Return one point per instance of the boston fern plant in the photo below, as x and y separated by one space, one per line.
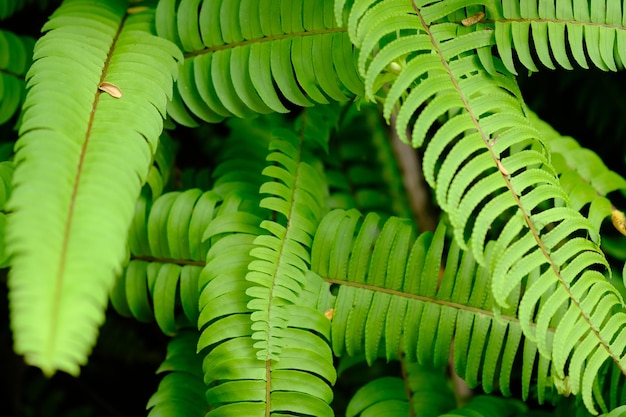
223 168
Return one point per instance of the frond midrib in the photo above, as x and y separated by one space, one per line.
66 239
430 300
264 39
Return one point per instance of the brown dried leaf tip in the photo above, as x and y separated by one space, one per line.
472 20
111 89
329 313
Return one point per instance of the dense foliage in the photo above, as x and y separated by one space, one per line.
233 179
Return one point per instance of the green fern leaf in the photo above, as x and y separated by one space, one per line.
587 31
168 251
396 296
240 382
182 389
295 192
255 57
492 174
15 61
88 178
231 298
430 395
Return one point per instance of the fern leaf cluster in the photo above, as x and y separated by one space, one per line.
488 163
256 57
255 257
559 31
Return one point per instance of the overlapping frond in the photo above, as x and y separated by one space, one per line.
295 194
15 59
555 33
240 383
168 252
266 346
181 391
395 296
251 57
430 395
97 93
492 174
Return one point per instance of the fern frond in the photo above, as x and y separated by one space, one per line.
181 391
296 191
234 293
430 395
584 30
256 58
240 383
15 60
492 174
86 154
394 296
167 256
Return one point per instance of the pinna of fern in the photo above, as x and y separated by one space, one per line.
87 138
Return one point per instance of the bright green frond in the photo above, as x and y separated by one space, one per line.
295 194
266 347
585 31
97 92
490 167
396 296
257 56
240 382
